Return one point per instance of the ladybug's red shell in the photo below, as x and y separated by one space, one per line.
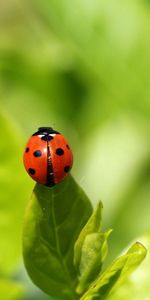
48 157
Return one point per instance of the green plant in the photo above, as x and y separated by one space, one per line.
64 247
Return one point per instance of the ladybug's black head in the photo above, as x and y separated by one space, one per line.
45 131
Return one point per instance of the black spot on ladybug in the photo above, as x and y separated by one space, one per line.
31 171
59 151
37 153
27 149
67 169
67 146
47 138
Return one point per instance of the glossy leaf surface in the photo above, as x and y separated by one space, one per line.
90 250
136 286
53 220
94 251
93 225
116 273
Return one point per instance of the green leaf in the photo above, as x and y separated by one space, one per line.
93 225
53 220
136 286
10 290
116 273
90 250
94 251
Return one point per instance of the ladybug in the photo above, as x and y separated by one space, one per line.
47 157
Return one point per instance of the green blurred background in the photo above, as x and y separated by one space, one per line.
82 67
